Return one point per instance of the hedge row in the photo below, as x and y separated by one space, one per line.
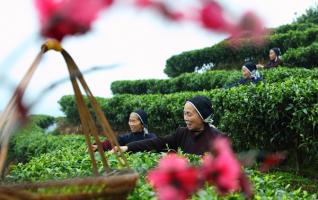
294 27
67 163
268 116
222 55
185 82
226 56
302 56
293 39
32 140
204 81
311 16
42 121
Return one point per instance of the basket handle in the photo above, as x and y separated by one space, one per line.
88 124
11 117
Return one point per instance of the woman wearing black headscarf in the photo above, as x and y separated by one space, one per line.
250 75
195 138
138 123
274 60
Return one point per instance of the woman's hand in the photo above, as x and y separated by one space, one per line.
116 149
94 147
260 66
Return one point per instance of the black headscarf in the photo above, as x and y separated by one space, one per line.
143 117
204 108
276 50
253 70
250 66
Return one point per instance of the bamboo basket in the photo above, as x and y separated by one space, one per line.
112 184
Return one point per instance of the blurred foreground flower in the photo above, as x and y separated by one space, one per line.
269 160
212 16
174 179
59 18
223 170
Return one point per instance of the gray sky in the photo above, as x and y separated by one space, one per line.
139 41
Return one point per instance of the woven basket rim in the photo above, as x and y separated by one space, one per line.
120 182
108 178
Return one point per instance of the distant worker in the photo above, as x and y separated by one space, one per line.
274 60
250 75
138 122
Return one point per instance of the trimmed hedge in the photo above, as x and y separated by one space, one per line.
223 55
67 163
220 56
311 16
294 27
226 56
32 140
205 81
268 116
42 121
294 39
185 82
302 56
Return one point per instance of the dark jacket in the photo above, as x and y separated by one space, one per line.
189 142
244 81
127 138
273 63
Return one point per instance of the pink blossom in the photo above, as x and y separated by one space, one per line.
246 186
251 22
143 3
212 17
174 178
224 170
162 8
270 160
173 162
59 18
250 27
167 12
170 193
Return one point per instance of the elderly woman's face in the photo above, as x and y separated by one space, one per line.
192 118
272 55
134 123
246 73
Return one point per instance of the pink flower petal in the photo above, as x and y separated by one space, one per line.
59 18
173 162
170 193
212 17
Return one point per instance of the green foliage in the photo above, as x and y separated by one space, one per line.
43 121
68 104
67 163
225 55
278 116
294 27
31 140
311 16
204 81
302 56
220 56
185 82
294 39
